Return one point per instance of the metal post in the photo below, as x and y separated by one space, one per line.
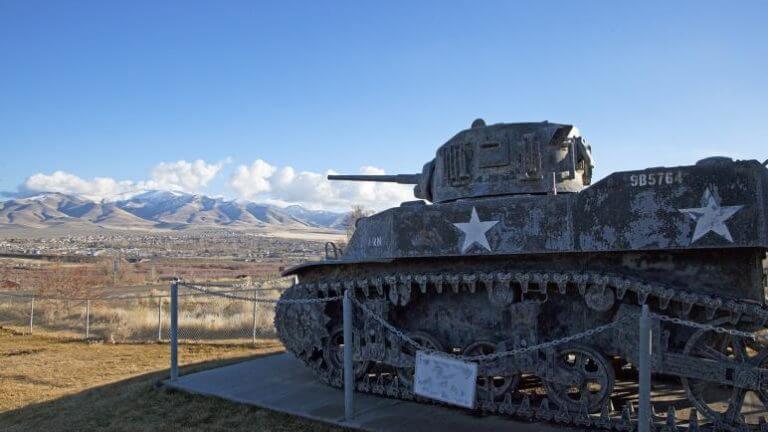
253 320
174 331
87 319
159 319
31 314
349 376
644 370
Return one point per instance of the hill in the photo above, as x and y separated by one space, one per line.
159 210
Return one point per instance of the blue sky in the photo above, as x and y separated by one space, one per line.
112 90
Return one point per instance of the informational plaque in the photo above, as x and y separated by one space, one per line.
445 379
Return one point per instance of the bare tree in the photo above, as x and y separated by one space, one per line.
357 213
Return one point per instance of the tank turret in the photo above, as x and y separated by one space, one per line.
501 159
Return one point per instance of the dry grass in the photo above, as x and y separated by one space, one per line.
201 317
57 384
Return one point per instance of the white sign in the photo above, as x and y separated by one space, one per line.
445 379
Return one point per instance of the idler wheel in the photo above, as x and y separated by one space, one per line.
334 354
726 404
424 339
491 387
582 376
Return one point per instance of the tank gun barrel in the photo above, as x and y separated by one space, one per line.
399 178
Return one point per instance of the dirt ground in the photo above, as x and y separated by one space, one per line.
57 384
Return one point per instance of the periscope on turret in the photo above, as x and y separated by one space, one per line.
510 244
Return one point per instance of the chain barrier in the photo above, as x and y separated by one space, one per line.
709 327
486 357
234 288
205 291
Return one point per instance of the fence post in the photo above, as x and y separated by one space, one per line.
174 330
160 319
31 314
87 319
349 375
253 320
644 371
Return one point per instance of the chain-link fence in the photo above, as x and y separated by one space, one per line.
204 317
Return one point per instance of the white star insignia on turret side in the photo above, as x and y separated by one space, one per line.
474 231
711 216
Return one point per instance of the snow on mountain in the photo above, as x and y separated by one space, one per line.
318 217
161 209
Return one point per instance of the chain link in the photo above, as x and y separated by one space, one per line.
709 327
486 357
261 300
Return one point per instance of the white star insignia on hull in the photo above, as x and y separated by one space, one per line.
711 217
475 232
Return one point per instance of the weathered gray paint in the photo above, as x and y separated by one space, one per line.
506 257
501 159
608 216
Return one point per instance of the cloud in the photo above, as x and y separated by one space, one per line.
67 183
183 175
263 182
259 181
180 175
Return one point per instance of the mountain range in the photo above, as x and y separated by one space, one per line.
159 209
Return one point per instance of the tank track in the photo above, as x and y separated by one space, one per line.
304 329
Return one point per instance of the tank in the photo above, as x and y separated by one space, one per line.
510 245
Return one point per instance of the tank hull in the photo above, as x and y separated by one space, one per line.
501 273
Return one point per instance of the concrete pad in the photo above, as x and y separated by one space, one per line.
282 383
